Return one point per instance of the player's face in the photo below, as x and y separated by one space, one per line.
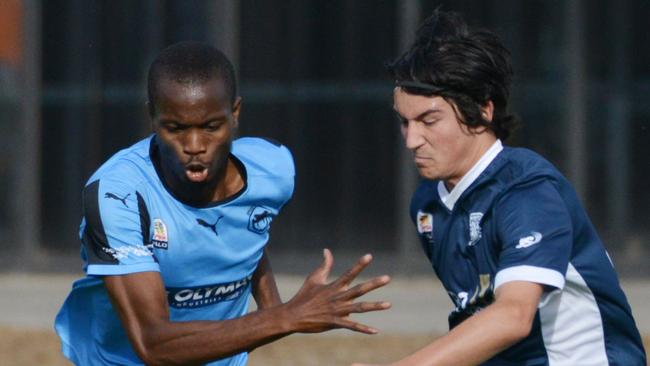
443 147
195 124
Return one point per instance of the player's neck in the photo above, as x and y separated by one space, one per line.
229 183
483 143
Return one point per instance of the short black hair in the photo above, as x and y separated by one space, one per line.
187 63
464 66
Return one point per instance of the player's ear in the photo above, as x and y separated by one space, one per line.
487 111
236 108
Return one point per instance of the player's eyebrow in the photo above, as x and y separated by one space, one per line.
218 119
168 122
434 110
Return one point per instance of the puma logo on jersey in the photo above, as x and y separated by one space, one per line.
116 197
530 240
212 227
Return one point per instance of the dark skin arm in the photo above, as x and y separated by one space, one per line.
141 303
264 288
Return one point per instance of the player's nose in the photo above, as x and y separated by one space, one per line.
411 134
193 144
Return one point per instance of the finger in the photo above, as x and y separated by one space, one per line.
357 327
323 271
365 307
363 288
354 271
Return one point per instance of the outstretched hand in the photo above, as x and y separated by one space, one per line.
319 306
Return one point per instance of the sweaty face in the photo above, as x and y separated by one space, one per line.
443 148
195 125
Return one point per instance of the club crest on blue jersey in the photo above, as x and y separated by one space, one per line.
259 219
425 224
475 233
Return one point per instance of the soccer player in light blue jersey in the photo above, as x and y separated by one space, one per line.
174 232
505 232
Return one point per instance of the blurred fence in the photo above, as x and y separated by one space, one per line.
311 75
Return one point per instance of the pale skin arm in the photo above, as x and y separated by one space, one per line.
508 320
140 300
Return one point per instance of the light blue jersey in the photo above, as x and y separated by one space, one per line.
513 217
206 256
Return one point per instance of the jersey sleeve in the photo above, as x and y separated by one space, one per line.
535 231
290 173
113 227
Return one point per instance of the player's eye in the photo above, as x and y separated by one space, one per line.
430 118
173 127
213 126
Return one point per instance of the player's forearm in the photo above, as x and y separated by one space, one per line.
197 342
475 340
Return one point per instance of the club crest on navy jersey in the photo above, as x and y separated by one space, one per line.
475 233
160 239
259 220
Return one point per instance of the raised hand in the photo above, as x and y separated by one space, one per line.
319 306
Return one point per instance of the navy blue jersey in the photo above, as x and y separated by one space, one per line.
206 256
514 217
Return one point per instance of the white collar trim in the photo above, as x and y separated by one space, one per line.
450 198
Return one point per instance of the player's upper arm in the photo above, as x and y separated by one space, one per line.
265 289
519 299
535 231
140 301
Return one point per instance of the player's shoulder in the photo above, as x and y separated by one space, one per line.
512 170
515 166
520 172
425 193
264 156
128 167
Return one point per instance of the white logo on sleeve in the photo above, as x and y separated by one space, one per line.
530 240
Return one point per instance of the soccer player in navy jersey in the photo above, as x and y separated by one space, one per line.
505 232
174 231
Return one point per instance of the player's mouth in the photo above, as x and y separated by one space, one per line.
196 172
420 159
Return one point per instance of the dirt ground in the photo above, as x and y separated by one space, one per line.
41 348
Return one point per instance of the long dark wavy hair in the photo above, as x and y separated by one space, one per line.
464 66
